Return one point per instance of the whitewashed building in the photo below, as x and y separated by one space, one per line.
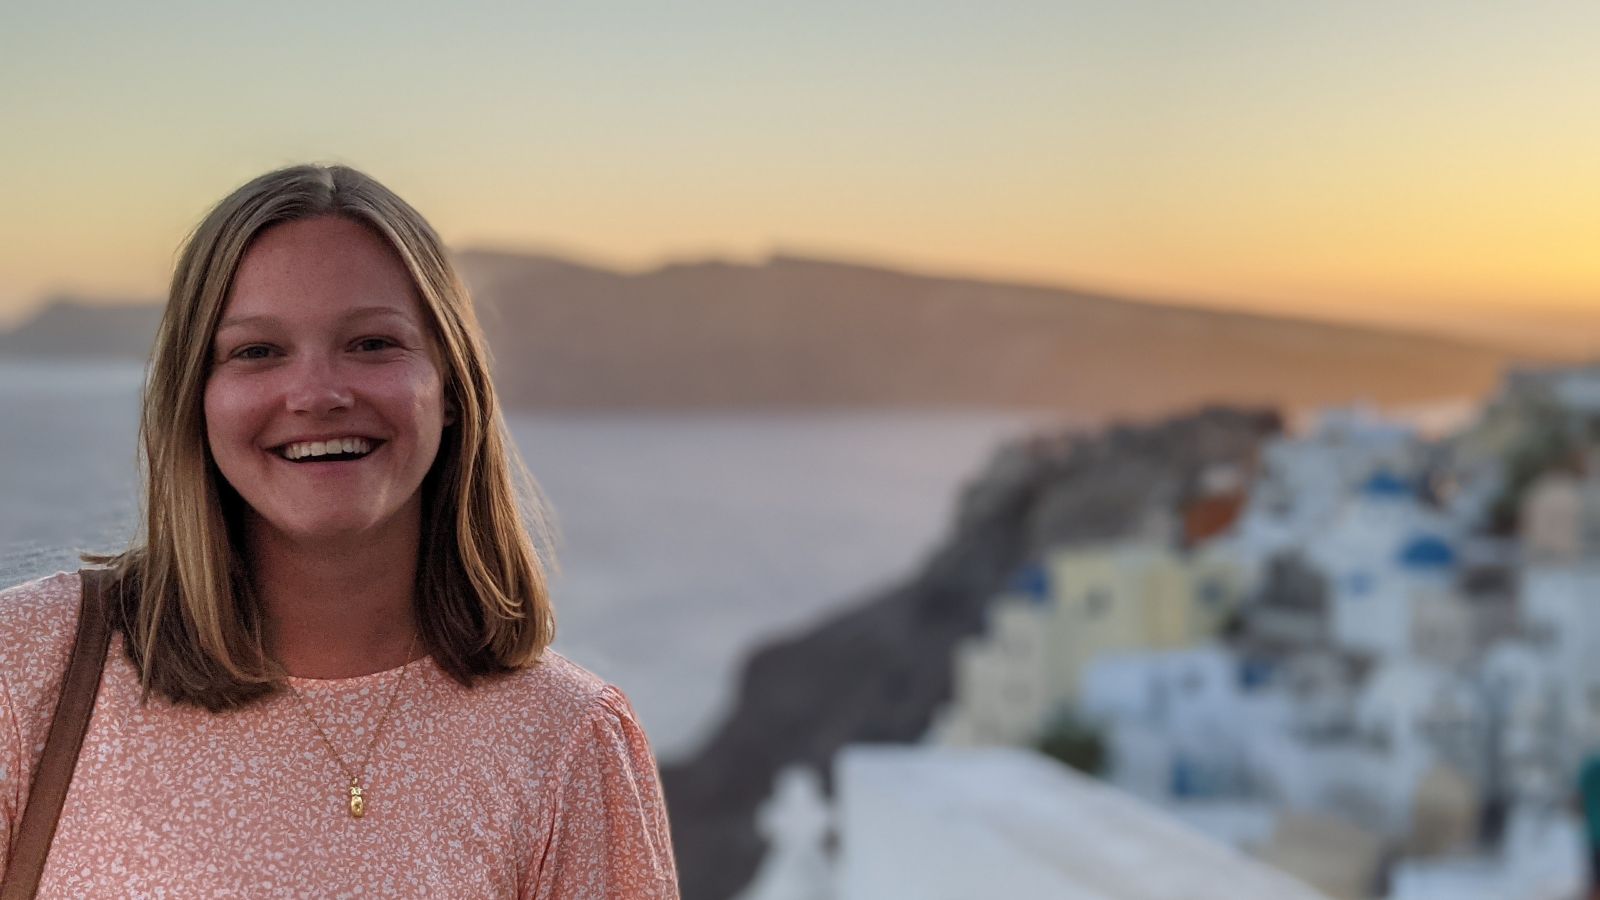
1303 483
1179 721
1543 857
1535 749
1554 518
1391 564
1561 617
1001 680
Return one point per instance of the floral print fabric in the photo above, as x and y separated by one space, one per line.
535 785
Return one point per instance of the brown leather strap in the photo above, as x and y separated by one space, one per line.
53 774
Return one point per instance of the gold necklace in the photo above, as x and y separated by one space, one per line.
358 797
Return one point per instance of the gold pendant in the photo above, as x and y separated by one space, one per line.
358 803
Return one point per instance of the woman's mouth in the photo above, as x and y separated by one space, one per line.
331 450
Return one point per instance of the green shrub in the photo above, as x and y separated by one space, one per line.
1074 742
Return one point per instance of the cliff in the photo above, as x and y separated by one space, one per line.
880 671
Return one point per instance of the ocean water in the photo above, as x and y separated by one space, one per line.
684 539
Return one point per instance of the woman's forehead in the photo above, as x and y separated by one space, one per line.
320 268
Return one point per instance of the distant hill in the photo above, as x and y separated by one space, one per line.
71 327
795 332
805 333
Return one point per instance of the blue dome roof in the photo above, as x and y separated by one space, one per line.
1387 484
1427 552
1031 581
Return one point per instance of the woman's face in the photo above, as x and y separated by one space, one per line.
324 407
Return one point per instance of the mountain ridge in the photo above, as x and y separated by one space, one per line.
792 331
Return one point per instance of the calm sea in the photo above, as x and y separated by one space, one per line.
684 538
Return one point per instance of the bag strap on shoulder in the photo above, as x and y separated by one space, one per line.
53 775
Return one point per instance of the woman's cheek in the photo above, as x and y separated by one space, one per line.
230 409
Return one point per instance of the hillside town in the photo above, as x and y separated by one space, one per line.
1357 666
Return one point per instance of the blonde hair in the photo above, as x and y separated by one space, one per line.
186 607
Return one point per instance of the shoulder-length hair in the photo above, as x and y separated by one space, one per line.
190 616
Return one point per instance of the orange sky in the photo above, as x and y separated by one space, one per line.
1432 166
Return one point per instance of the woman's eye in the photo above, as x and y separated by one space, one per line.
374 343
254 351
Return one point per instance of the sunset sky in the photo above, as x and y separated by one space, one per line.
1435 164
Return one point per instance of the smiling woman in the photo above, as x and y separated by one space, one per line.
328 670
323 342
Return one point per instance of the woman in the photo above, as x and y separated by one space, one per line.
329 673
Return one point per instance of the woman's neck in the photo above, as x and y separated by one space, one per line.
337 609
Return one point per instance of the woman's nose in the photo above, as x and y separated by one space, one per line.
318 388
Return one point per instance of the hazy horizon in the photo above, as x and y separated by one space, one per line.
1416 166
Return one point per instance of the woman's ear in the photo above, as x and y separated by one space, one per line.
450 413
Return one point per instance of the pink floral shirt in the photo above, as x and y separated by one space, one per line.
537 785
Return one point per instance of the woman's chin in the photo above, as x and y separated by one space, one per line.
327 531
320 527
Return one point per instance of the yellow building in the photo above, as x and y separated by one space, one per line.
1132 596
1093 601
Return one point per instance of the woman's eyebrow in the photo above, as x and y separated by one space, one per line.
360 312
241 321
367 312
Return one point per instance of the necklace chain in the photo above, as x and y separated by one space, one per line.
358 800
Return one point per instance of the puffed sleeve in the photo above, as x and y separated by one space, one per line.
609 836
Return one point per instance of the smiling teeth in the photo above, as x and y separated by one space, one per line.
304 449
